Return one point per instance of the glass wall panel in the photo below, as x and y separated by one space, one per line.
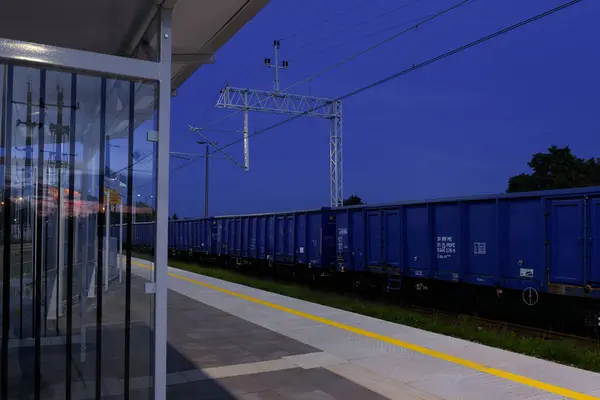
78 169
4 286
22 132
142 179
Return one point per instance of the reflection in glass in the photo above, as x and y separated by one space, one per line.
78 169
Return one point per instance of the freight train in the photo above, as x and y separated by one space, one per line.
518 252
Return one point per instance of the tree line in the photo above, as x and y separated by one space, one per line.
557 168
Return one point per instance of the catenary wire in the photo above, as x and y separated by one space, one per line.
418 66
380 43
362 22
308 79
418 21
328 19
404 72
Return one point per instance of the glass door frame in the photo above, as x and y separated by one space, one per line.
44 56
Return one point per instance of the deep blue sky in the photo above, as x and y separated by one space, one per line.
459 127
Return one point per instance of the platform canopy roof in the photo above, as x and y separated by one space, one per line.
128 27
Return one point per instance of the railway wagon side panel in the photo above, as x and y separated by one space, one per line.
186 235
211 235
418 241
284 238
150 234
142 234
251 235
300 253
179 232
356 239
289 238
447 222
232 233
206 242
593 266
231 237
522 233
270 237
374 239
177 228
200 236
221 234
245 239
279 237
343 241
193 234
392 238
566 237
171 235
261 237
383 238
226 237
237 238
314 228
328 224
482 265
197 236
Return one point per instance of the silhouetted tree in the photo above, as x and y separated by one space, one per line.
175 217
353 200
559 168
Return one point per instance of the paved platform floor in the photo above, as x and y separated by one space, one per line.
366 354
211 355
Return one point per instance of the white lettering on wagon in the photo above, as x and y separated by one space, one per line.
479 248
445 247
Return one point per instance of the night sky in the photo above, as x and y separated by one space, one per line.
459 127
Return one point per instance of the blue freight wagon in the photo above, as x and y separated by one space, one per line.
302 238
143 236
535 242
510 250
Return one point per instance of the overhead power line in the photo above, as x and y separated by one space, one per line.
380 43
415 21
419 66
355 55
328 19
361 22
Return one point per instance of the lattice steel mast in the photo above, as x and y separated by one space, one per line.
278 102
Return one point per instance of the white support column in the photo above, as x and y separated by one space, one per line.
246 144
162 207
107 241
84 270
58 289
336 160
121 242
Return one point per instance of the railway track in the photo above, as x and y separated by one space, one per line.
524 330
450 316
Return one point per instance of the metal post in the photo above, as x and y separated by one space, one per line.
84 269
246 148
206 183
276 55
61 254
121 242
106 240
162 208
336 157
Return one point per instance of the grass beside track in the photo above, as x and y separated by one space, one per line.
577 354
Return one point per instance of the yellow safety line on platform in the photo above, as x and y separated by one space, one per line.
570 394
